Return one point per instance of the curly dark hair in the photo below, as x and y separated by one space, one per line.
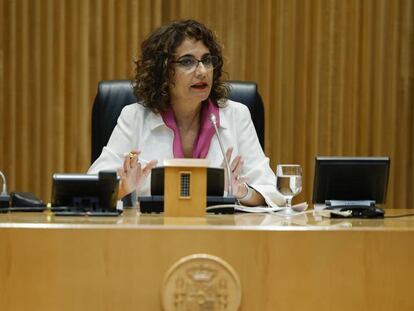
154 67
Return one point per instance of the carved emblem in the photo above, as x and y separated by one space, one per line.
201 282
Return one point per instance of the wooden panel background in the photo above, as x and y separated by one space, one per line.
337 77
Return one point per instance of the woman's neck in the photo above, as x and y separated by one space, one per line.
188 122
187 116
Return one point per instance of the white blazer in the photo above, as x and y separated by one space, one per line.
140 128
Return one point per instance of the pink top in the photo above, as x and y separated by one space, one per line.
205 133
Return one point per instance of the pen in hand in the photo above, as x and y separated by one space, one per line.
134 155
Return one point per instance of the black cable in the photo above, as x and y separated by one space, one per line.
399 216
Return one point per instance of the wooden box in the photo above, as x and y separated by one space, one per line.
185 187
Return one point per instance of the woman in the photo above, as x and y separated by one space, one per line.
178 78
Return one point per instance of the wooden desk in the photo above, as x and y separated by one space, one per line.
57 263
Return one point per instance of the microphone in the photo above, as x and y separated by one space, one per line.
4 191
4 197
213 121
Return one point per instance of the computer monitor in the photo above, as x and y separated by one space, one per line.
84 192
350 179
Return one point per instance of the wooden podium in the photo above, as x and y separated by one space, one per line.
185 187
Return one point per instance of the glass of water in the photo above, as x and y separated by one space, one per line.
289 183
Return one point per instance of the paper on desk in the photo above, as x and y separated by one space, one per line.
300 207
257 209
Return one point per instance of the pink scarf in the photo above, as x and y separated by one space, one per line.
205 133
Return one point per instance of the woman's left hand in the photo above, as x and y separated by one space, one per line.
237 181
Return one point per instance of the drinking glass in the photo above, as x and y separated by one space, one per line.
289 183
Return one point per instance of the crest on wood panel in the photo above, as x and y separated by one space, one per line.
201 282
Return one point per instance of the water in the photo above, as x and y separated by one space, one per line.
289 186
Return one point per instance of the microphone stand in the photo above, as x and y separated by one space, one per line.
213 121
4 197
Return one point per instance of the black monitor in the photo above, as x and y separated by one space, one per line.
350 179
84 192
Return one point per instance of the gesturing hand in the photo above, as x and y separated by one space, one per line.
132 173
237 181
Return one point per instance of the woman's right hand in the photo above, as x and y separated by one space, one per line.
132 173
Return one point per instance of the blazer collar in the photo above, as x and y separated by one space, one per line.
155 120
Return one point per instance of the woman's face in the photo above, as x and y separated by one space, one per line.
193 74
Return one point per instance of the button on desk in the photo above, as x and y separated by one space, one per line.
118 263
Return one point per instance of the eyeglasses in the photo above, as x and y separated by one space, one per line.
190 63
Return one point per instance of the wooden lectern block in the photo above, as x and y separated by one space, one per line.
185 187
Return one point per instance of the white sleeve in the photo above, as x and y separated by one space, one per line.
122 140
256 165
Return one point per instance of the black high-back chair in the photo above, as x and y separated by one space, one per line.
113 95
